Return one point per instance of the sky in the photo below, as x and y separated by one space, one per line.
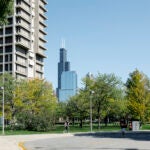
101 36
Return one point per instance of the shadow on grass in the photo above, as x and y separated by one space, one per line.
135 135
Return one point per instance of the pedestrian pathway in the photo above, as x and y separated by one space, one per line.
101 140
13 142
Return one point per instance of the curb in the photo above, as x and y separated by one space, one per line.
21 145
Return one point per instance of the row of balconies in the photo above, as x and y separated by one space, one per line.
24 15
24 6
42 4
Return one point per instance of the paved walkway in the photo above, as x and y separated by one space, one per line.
102 140
12 142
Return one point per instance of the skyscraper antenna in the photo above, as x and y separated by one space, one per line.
62 43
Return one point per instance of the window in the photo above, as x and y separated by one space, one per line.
21 50
10 21
39 58
1 31
10 57
6 67
1 49
1 40
1 68
8 30
8 39
1 58
6 58
8 49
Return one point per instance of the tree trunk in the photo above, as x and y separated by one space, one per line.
80 123
99 122
73 120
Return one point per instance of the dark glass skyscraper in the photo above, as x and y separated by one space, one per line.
63 65
67 80
68 85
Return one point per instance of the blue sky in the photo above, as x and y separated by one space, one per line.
105 36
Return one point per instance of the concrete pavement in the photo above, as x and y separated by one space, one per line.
101 140
15 142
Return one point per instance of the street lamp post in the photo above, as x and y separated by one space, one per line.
90 76
3 114
91 125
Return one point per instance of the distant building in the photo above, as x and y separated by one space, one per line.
67 80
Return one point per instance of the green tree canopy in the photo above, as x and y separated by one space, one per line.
107 88
36 104
138 95
78 106
9 83
6 7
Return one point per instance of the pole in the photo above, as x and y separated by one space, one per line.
3 111
3 119
91 112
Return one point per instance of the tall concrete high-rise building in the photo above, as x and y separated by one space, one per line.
22 40
67 80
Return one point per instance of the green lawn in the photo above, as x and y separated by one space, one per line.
146 127
60 129
72 129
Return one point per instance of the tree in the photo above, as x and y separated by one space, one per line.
9 83
107 87
6 8
138 95
61 111
36 104
104 91
77 107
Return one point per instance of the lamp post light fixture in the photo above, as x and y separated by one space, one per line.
3 115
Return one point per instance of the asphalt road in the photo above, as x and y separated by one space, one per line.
94 141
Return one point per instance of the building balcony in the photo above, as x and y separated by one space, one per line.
42 5
24 25
23 43
42 37
27 1
24 6
41 53
40 71
24 34
43 15
44 1
21 63
24 16
24 73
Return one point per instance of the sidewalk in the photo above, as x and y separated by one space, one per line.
139 138
12 142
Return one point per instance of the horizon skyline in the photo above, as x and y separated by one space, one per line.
100 36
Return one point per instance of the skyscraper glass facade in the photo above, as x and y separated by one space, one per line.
63 65
68 85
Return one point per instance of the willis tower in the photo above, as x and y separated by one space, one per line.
67 80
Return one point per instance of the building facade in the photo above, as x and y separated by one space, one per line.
67 80
68 85
22 40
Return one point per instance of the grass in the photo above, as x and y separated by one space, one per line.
72 129
60 129
146 127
